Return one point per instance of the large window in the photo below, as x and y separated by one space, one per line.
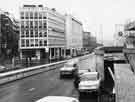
22 33
36 24
31 23
45 34
32 42
40 24
27 15
22 15
40 34
31 33
40 43
45 43
31 15
22 43
27 43
27 33
22 24
36 15
27 24
40 15
44 15
44 24
36 33
36 42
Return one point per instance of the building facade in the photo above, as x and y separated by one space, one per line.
86 40
74 35
9 34
42 32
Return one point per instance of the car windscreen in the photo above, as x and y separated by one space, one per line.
68 65
87 78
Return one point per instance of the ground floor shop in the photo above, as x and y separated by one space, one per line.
51 53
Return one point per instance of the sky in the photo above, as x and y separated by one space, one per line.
98 16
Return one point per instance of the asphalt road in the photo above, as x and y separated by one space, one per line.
44 84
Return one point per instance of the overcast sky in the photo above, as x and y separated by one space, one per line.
94 14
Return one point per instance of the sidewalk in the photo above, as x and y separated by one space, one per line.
125 83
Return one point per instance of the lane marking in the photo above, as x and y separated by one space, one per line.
32 89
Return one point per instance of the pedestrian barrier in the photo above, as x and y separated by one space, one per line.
22 73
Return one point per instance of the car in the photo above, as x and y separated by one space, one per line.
70 69
89 82
77 76
57 99
68 57
2 68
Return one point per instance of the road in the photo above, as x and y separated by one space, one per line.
38 86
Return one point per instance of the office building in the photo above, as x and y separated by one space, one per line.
74 35
42 32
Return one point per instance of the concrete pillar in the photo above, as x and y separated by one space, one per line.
54 53
58 53
50 53
64 54
38 54
99 63
21 56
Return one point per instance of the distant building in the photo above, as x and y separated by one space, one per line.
42 32
74 35
9 34
86 40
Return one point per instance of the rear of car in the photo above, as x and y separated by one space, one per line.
57 99
69 69
2 68
89 82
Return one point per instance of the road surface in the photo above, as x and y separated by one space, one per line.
38 86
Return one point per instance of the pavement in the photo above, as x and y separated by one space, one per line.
125 83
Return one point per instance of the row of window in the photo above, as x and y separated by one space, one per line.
33 27
33 34
33 42
33 15
33 23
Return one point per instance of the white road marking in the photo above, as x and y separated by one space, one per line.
32 89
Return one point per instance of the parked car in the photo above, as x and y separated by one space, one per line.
68 57
70 69
57 99
2 68
89 82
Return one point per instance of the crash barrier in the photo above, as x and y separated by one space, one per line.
22 73
85 57
25 72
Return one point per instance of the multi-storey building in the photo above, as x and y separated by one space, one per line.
74 35
42 32
86 40
9 34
